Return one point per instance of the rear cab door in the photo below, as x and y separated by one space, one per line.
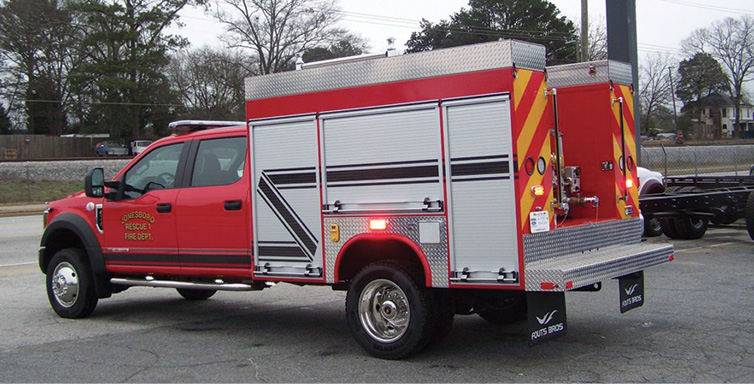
212 222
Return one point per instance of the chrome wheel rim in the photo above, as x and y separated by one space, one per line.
65 284
384 310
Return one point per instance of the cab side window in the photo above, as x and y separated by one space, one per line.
219 162
156 170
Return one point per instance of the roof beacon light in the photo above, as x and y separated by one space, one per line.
378 225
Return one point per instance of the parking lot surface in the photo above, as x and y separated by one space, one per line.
695 326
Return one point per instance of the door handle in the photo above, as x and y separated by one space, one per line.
164 208
233 205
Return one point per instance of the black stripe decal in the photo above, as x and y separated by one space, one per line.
293 178
175 259
382 164
282 259
474 169
299 187
216 259
383 173
142 257
290 169
285 251
384 183
482 179
288 217
491 157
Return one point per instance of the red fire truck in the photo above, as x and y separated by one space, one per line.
455 181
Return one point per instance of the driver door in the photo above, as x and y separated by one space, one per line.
139 227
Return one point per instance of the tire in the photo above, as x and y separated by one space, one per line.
389 312
669 229
70 284
502 309
652 227
196 294
749 215
690 228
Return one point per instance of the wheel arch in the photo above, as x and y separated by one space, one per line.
367 248
69 230
652 186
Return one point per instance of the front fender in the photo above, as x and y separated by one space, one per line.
79 227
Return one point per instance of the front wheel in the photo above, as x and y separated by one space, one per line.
388 311
70 284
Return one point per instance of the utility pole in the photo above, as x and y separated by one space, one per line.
672 94
584 30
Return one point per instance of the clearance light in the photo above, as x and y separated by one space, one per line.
538 190
378 225
629 183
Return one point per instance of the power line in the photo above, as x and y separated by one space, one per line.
710 7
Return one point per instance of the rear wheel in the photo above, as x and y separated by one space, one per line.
389 312
669 229
690 228
652 227
505 309
70 284
196 294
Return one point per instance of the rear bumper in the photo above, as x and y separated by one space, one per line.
573 257
577 270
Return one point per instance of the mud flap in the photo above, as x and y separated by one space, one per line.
546 316
631 291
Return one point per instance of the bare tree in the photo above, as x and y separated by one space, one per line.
730 41
277 30
597 42
210 83
654 81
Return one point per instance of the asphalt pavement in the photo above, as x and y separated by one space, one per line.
695 326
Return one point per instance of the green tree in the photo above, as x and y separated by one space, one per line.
731 42
35 42
537 21
349 46
700 76
127 52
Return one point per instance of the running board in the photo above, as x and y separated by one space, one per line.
219 286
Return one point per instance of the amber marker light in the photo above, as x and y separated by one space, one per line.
538 190
378 225
629 183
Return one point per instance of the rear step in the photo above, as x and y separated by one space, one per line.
576 270
218 285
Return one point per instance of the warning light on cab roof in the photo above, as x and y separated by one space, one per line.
186 126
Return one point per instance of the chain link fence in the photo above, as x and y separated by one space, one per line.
727 160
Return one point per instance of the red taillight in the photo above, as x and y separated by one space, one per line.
547 285
378 225
671 257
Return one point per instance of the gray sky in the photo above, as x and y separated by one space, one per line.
661 24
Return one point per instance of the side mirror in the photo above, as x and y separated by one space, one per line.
94 183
